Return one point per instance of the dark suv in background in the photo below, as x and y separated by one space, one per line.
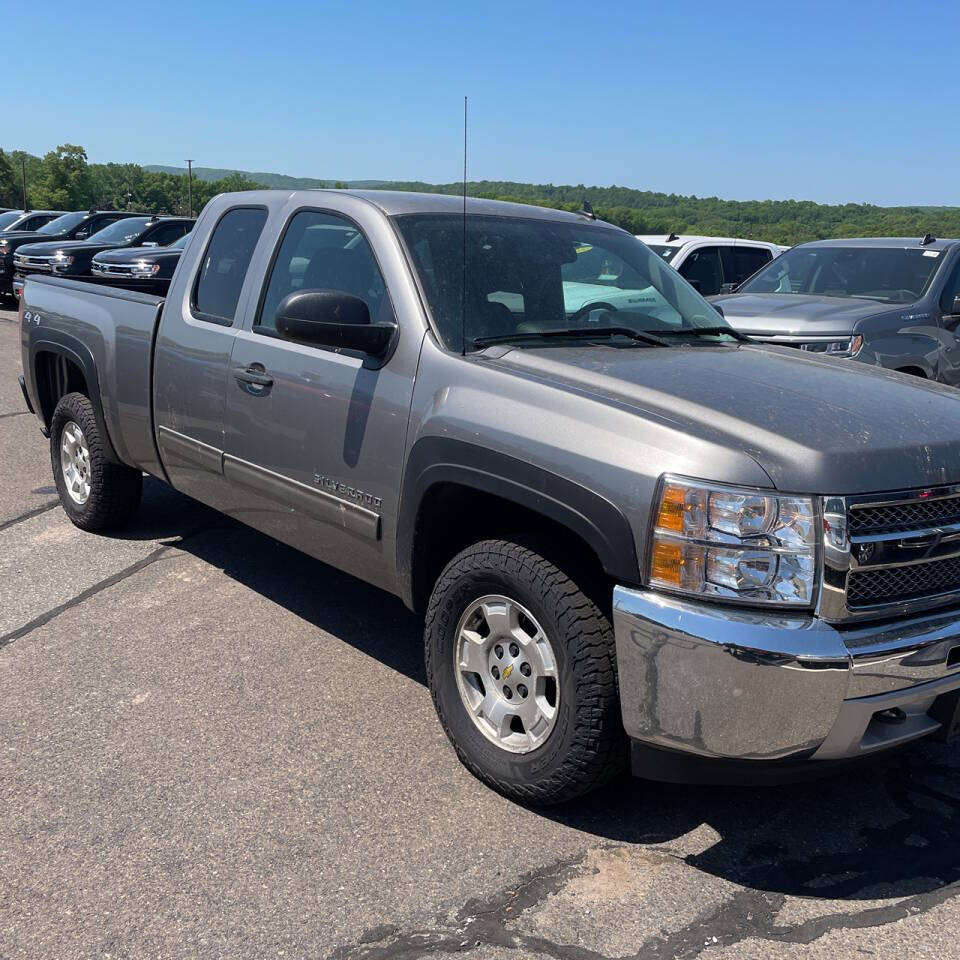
147 268
74 258
23 220
79 225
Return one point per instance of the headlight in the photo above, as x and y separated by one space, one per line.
846 347
60 258
735 544
143 268
4 247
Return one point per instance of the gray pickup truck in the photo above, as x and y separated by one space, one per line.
889 301
634 535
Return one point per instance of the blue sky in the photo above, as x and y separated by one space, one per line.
834 102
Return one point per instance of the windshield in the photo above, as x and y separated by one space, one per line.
887 274
665 252
180 244
123 231
7 218
535 277
62 224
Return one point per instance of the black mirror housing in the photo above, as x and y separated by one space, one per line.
728 287
332 318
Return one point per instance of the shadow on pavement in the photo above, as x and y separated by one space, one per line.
886 830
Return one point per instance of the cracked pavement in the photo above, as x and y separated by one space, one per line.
212 746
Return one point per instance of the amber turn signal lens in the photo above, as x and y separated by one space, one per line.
672 507
667 562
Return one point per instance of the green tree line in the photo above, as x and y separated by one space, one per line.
63 179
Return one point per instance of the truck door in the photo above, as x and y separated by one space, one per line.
315 436
193 356
949 320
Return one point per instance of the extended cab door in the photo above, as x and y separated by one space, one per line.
315 436
949 319
197 331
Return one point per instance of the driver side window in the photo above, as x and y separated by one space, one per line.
322 251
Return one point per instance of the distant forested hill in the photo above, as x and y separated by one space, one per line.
63 179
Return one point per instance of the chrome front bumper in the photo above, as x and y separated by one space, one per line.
717 682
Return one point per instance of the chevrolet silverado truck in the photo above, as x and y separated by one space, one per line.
892 302
147 268
78 225
635 536
74 258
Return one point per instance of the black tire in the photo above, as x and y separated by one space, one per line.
587 746
114 488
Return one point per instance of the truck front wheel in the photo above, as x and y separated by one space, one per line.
96 493
522 669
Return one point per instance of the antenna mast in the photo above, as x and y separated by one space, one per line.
463 286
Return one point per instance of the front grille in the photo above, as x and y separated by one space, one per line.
911 515
867 588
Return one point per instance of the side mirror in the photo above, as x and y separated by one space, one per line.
729 287
81 235
149 243
331 318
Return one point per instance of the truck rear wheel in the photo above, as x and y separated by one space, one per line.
522 669
96 493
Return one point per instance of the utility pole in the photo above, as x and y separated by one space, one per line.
23 177
190 186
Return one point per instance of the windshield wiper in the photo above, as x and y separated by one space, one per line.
641 336
706 332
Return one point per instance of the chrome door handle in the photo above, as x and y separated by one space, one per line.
253 374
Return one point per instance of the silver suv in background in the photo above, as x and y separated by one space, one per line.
892 302
711 264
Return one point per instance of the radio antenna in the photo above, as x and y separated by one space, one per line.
463 285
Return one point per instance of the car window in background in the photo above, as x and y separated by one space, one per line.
35 222
225 264
537 276
703 269
166 233
885 274
321 251
62 224
663 251
120 232
951 290
746 262
180 244
7 218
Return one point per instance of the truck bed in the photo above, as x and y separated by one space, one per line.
111 331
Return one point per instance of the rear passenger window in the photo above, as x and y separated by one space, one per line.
321 251
747 261
224 267
702 268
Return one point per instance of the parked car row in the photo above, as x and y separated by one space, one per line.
635 533
66 245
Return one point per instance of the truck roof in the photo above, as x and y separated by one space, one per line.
941 243
399 202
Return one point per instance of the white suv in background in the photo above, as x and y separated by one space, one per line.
713 264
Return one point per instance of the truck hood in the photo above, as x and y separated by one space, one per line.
815 425
129 254
782 313
69 246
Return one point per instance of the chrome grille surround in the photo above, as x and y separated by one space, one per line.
890 554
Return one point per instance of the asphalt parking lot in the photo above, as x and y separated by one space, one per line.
212 746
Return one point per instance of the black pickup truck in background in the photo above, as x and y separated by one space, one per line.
23 220
79 225
74 258
146 268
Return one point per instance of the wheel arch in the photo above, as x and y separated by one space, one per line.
489 494
61 364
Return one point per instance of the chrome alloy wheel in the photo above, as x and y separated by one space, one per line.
75 463
506 673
